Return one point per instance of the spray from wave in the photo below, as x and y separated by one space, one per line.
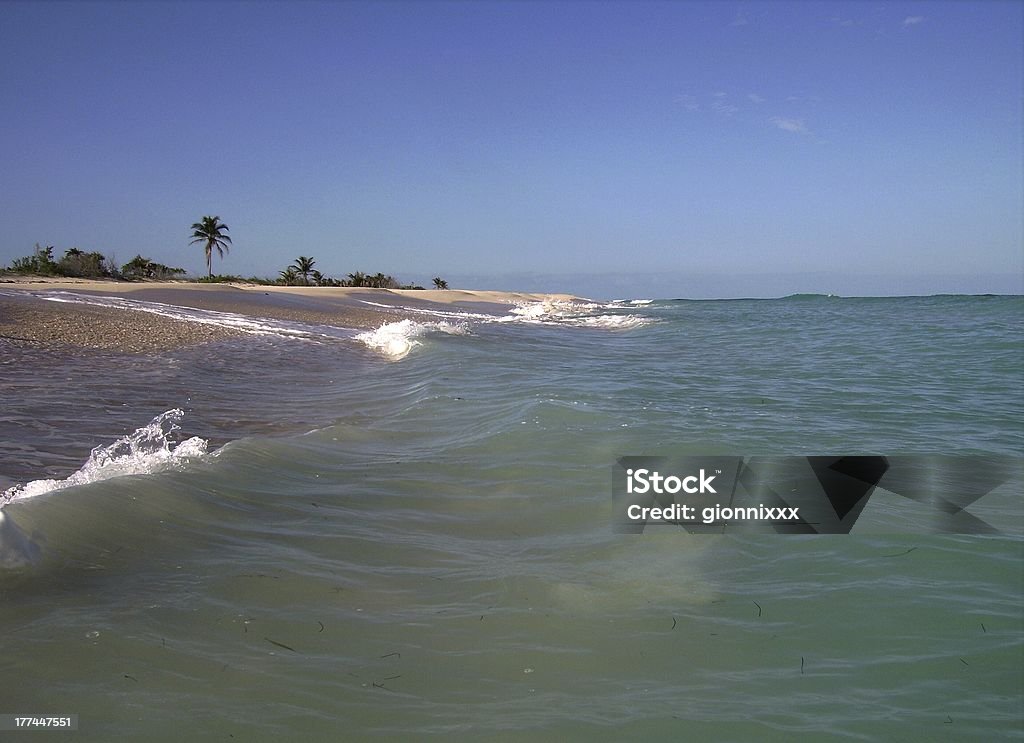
396 339
149 449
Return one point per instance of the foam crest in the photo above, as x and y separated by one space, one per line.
614 322
149 449
573 314
548 310
396 339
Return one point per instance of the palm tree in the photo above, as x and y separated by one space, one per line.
288 276
210 230
440 283
304 267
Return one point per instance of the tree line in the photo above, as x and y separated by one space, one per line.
302 273
211 234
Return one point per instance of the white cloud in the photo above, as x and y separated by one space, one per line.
789 125
913 20
754 98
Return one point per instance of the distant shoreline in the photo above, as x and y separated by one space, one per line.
26 318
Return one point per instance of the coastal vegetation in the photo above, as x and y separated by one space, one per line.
302 273
144 268
303 267
209 232
78 264
75 263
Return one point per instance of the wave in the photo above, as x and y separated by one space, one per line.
149 449
810 296
615 322
575 314
17 549
396 339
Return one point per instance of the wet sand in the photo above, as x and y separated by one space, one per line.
27 320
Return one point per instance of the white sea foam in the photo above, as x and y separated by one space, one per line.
149 449
573 314
455 314
614 322
376 304
396 339
548 311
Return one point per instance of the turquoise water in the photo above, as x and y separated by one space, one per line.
381 547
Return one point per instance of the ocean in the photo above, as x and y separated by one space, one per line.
311 533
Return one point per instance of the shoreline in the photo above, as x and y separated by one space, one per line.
439 296
28 317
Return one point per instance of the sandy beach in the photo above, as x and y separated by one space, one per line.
39 322
27 317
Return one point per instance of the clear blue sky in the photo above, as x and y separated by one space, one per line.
691 149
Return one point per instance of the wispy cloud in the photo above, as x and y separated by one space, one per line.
688 102
796 126
844 22
748 109
913 20
740 19
721 106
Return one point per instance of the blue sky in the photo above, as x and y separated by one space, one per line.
627 149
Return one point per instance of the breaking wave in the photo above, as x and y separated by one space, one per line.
575 314
149 449
396 339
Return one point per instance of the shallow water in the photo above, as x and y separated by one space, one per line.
416 543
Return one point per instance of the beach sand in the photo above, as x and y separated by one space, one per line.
27 318
43 323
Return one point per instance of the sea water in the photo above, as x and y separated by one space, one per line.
322 534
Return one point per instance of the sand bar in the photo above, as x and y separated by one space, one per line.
27 318
38 322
